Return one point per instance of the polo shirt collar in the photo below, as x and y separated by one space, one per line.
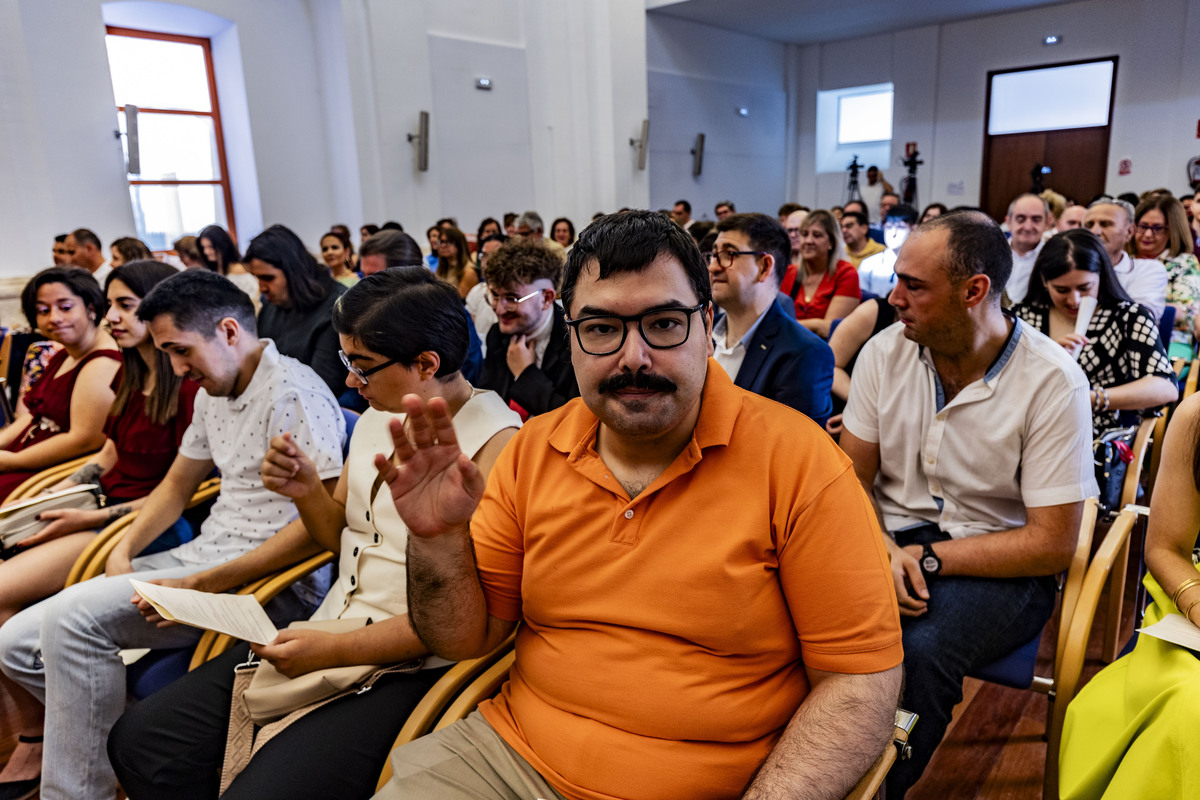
993 371
258 381
720 404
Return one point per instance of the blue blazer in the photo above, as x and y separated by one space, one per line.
789 364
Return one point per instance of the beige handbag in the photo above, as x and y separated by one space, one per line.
263 696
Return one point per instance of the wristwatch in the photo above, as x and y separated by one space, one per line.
931 565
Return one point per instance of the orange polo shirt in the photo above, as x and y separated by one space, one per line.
665 637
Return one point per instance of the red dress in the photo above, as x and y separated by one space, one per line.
49 400
842 282
145 449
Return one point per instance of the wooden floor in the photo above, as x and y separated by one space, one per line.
994 749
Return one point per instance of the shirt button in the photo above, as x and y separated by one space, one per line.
352 581
629 514
368 516
355 552
377 538
931 460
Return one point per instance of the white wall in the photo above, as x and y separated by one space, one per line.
328 91
698 77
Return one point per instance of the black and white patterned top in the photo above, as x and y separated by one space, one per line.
1123 345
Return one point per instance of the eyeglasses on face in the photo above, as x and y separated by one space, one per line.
661 328
363 374
1155 230
725 257
511 299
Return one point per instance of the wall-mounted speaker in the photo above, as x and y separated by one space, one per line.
133 164
698 156
421 138
641 143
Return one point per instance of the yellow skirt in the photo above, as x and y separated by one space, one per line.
1134 730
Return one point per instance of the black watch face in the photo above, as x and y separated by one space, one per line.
930 564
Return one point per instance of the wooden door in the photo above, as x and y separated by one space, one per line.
1078 160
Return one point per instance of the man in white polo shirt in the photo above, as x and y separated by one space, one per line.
1144 279
972 433
65 650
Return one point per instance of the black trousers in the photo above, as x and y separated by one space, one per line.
172 743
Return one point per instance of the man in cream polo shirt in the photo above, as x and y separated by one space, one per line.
972 433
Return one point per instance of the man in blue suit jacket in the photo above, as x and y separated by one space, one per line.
758 343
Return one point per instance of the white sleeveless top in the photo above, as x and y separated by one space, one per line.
372 576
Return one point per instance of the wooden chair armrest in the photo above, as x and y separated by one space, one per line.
1189 387
1076 640
1076 573
427 712
265 589
869 785
38 483
480 689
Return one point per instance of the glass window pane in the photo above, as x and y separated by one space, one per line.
150 73
164 213
1055 98
865 118
174 147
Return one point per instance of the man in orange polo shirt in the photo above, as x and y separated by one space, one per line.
705 602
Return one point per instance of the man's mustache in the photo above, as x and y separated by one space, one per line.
636 380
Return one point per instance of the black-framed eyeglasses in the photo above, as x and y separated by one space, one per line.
1156 230
725 257
661 328
363 374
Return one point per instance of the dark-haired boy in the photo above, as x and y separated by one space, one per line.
65 650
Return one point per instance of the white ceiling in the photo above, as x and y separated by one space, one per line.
811 21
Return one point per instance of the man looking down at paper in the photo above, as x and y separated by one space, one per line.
64 650
705 601
402 332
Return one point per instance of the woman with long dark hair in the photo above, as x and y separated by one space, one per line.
1120 353
145 425
455 265
338 254
221 255
298 295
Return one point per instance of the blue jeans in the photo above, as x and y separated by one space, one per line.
969 622
65 651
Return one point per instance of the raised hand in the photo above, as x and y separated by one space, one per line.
286 470
435 486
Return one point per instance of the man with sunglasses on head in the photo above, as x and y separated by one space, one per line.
705 603
756 340
528 360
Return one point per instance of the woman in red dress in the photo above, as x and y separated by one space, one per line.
62 415
828 286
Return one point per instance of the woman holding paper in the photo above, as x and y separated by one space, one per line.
144 427
1118 345
1131 731
402 332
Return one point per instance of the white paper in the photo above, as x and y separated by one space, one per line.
1175 628
1087 307
238 615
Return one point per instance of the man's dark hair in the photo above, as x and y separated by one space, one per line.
889 194
402 312
398 249
78 281
700 229
391 225
686 205
509 218
308 283
370 228
857 216
728 204
901 211
197 300
763 233
628 242
521 261
84 236
862 209
789 208
975 246
222 243
62 237
447 222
